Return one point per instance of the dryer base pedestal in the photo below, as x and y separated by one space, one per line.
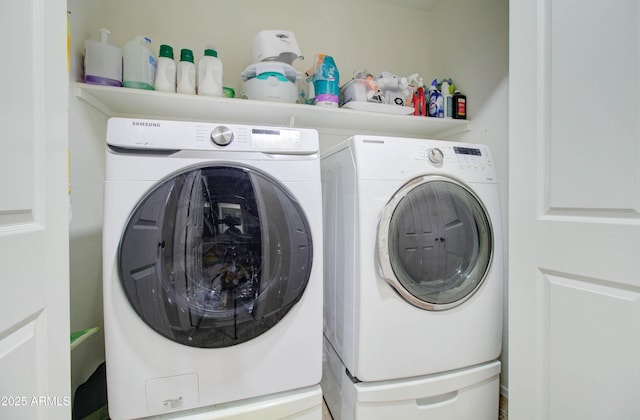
469 393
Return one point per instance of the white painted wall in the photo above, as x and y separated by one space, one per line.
471 45
454 38
86 148
358 34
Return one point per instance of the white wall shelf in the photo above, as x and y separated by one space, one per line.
136 103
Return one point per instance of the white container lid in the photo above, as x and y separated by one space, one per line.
256 69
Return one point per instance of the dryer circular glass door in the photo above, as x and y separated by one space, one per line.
435 242
215 256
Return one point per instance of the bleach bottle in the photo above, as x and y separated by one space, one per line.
435 101
139 64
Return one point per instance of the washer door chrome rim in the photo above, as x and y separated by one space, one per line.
461 271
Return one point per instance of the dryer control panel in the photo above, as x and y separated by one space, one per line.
461 156
387 158
471 157
474 161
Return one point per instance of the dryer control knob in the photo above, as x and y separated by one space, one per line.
435 156
221 135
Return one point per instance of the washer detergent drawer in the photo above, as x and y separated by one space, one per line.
172 393
465 394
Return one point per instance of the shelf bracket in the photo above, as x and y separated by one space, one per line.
91 100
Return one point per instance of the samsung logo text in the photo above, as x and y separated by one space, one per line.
145 124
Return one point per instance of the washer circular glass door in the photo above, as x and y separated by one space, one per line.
435 242
215 256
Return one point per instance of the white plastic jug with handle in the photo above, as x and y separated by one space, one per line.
102 61
139 64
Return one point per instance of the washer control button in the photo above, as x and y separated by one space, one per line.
435 155
221 135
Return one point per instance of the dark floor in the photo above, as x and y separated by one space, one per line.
503 414
326 415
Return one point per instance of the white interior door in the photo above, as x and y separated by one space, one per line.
574 194
34 216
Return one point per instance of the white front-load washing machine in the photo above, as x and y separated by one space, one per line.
212 267
413 275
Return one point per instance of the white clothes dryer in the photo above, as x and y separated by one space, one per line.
212 267
413 256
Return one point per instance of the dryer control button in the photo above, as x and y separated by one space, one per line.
221 135
435 156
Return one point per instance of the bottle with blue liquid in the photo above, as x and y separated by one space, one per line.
326 80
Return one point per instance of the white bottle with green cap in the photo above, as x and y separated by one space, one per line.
166 75
186 73
210 73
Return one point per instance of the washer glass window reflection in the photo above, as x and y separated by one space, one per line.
231 216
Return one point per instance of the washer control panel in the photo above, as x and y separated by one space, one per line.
252 138
128 133
275 138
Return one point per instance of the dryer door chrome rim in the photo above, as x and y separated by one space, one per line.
215 256
435 242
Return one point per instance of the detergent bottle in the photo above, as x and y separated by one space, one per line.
210 73
326 80
447 99
166 74
435 101
186 82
